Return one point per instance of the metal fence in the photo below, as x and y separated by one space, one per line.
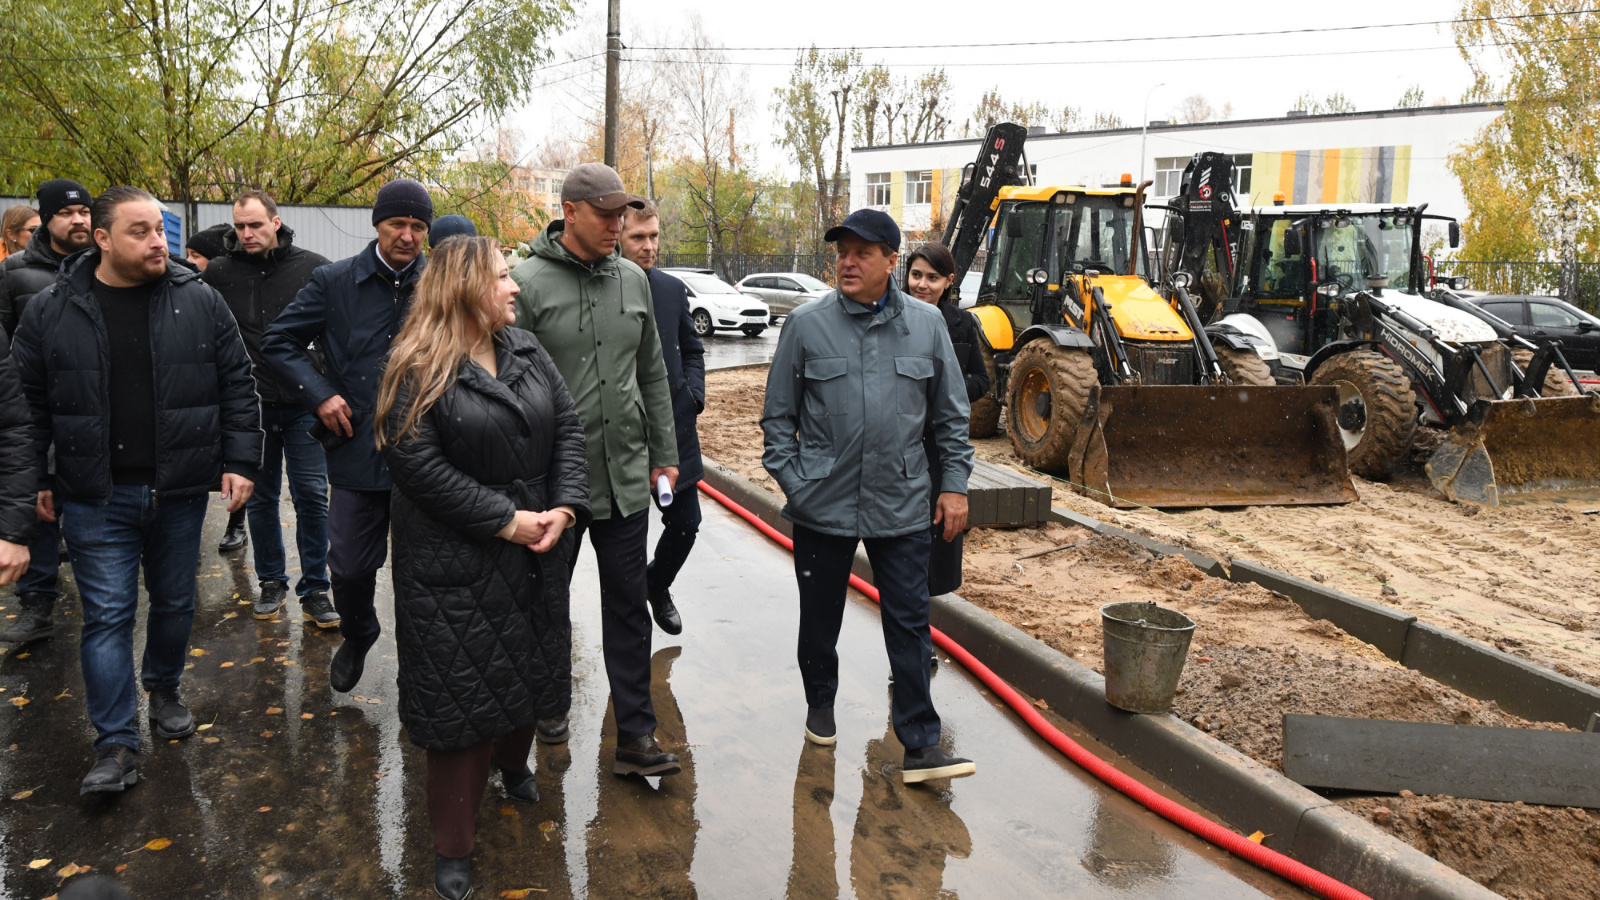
1526 277
734 266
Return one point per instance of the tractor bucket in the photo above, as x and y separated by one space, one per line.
1177 445
1527 449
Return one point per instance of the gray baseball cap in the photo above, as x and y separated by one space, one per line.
600 186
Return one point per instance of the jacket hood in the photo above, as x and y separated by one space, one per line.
78 271
548 246
39 252
230 243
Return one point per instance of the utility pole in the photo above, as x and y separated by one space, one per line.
613 65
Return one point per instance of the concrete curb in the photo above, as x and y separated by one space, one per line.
1242 792
1204 563
1475 669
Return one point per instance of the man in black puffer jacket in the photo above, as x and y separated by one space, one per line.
135 374
64 212
260 271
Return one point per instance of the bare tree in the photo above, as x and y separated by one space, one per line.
1194 108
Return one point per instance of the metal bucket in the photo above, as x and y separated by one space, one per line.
1145 649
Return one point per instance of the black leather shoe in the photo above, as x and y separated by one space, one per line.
170 718
666 614
348 661
33 621
452 878
270 600
645 757
235 537
820 728
928 763
520 785
553 731
115 769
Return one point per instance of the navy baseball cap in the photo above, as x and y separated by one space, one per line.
869 225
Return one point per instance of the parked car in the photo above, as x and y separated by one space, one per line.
716 305
783 291
1549 317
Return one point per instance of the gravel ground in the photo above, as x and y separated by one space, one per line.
1520 578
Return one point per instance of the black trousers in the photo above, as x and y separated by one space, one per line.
900 570
620 547
680 522
358 543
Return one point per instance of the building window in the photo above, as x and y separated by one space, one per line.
556 184
544 186
1169 175
1242 164
878 189
919 187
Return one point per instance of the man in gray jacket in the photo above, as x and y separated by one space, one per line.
859 375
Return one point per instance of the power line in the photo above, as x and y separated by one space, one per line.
1143 61
1153 38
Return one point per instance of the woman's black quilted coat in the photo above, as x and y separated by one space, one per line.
482 626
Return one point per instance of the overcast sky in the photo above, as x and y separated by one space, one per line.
1260 75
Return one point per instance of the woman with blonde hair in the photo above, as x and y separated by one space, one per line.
17 226
490 476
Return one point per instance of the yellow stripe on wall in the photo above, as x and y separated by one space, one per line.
897 194
1286 175
1264 177
1402 174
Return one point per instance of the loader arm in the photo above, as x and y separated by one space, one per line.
998 165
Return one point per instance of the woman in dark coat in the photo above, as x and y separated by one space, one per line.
929 274
490 474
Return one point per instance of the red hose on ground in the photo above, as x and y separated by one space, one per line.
1291 870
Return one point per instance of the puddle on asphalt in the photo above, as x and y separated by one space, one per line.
304 794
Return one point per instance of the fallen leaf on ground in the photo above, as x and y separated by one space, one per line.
380 775
290 662
198 652
1258 837
19 701
158 844
203 727
65 693
508 811
266 734
229 615
1041 704
227 665
23 795
256 659
547 827
71 869
39 864
211 740
274 710
358 698
520 893
265 809
121 867
307 716
374 701
1202 659
271 879
23 655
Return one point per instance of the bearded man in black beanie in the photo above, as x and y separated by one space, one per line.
64 212
353 309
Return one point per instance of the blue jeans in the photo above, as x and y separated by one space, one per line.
44 561
108 541
290 445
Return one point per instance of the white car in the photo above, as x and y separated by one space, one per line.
717 305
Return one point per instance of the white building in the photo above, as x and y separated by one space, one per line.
1391 156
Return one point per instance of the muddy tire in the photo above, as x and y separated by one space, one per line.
1245 368
1377 410
985 418
1049 388
1556 382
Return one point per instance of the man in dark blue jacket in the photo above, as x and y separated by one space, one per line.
353 309
135 372
686 374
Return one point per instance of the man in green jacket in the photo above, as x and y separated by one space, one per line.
592 311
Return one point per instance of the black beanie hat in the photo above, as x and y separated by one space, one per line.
403 197
449 227
208 241
58 193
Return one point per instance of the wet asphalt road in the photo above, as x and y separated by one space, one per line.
731 348
295 792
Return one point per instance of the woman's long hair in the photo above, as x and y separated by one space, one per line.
938 258
449 316
12 220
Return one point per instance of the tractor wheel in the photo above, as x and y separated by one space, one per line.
1377 410
1049 388
985 418
1556 382
1244 368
